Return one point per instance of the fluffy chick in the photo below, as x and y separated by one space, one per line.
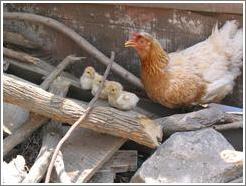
120 99
87 78
97 81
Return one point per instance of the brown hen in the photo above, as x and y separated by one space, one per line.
200 74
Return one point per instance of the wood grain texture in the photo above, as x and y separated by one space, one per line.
209 117
85 152
121 161
103 177
130 125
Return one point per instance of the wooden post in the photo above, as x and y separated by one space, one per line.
129 125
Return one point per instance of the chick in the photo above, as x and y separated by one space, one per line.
87 78
97 81
120 99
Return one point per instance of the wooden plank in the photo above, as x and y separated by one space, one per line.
121 161
108 120
86 151
103 177
236 8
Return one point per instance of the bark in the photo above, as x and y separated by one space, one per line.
210 117
84 44
129 125
35 121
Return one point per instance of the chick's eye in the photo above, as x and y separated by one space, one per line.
88 72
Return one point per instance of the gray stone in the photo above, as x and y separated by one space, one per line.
188 157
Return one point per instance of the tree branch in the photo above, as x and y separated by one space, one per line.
84 44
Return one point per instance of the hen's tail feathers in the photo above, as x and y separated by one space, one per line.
228 40
217 90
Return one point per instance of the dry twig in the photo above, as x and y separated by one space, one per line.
87 111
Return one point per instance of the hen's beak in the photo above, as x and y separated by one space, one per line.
130 43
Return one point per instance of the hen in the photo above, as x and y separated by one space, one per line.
200 74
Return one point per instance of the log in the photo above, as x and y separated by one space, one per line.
196 120
229 126
84 44
44 69
35 121
21 56
18 39
129 125
52 133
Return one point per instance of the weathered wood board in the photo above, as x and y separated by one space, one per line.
86 151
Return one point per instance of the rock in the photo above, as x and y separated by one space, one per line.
188 157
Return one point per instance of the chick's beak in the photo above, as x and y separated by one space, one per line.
130 43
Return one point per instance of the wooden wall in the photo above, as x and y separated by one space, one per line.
108 26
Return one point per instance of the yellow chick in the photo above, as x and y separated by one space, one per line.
120 99
97 81
87 78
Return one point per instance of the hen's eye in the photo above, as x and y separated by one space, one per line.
88 72
100 81
141 41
